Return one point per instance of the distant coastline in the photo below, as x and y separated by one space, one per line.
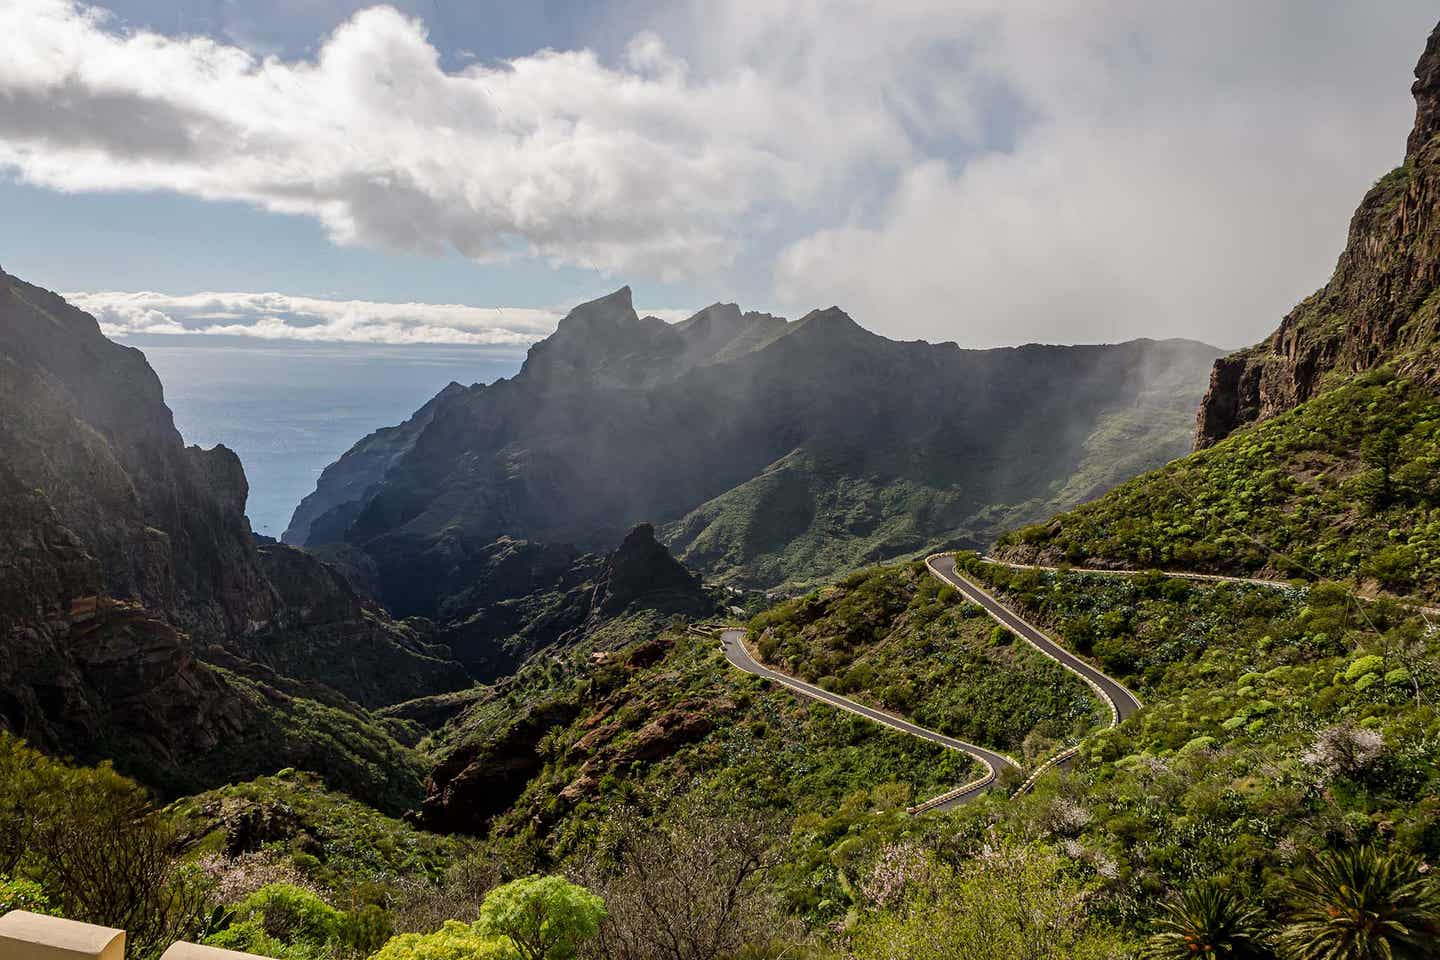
289 409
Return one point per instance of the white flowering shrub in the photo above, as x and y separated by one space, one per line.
1344 750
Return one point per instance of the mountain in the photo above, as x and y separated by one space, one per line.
1334 475
1380 306
766 451
525 597
141 620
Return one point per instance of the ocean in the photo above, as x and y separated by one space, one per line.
290 409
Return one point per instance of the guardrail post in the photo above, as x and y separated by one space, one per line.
33 936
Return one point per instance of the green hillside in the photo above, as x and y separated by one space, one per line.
1344 487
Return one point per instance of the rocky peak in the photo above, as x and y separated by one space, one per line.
1427 95
612 310
603 341
831 322
721 331
642 566
1378 307
719 320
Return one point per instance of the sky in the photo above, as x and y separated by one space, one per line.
437 172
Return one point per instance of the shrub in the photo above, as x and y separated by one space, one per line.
1363 665
546 918
282 920
1394 567
454 941
1345 750
20 894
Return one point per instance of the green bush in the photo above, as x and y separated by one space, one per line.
19 894
286 921
546 918
454 941
1363 665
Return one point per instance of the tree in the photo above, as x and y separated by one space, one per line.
1209 921
1381 453
1012 900
546 918
689 890
99 848
1360 904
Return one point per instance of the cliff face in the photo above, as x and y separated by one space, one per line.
602 601
526 597
363 466
139 621
85 427
1379 306
750 442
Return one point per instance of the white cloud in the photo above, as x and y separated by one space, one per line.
555 153
278 316
989 171
1183 170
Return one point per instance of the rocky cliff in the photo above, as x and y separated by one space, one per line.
764 450
86 429
140 621
528 597
1379 307
485 756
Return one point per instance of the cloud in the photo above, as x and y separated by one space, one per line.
634 167
1179 170
278 316
989 171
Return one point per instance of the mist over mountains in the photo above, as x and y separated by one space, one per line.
768 452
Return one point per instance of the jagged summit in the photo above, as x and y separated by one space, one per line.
639 566
740 434
617 308
832 322
1426 90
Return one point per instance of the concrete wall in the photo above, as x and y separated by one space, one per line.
31 936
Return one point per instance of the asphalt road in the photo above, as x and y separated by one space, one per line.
1122 700
739 656
1200 577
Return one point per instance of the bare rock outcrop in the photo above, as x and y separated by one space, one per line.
1378 309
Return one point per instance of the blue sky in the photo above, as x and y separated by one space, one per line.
161 241
973 170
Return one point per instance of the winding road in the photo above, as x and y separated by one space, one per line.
739 655
1120 701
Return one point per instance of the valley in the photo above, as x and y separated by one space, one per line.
734 637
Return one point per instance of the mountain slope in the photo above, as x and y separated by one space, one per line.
1337 479
1380 307
1342 487
745 438
140 621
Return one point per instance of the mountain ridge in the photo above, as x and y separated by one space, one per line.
615 420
